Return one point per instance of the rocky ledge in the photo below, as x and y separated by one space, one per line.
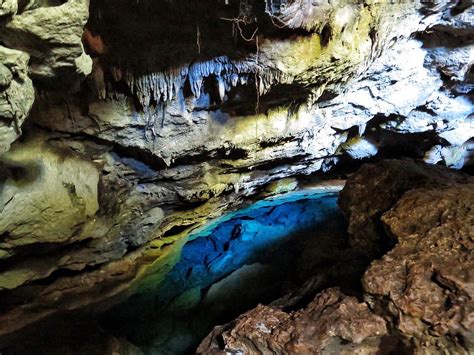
417 298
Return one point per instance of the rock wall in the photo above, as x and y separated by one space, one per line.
163 124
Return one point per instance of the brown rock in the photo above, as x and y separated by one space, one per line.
332 323
374 189
427 280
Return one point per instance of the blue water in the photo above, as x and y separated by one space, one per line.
226 267
246 236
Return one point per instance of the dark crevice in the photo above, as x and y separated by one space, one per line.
282 162
64 273
326 35
142 155
177 229
232 153
276 142
40 250
242 100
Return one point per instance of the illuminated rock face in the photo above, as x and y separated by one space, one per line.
164 124
16 95
332 322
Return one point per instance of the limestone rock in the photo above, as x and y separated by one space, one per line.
152 144
8 8
52 37
359 148
46 199
452 156
16 95
336 47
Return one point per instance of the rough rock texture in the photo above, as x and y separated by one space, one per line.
332 323
426 282
376 188
40 40
423 287
51 35
177 123
16 95
209 105
8 8
48 200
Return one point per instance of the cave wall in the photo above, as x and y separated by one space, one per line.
126 125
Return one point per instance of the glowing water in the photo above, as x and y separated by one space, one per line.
226 267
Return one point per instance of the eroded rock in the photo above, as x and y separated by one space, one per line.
8 8
52 36
47 198
332 323
376 188
174 143
16 95
426 283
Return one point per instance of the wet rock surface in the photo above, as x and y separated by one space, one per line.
417 297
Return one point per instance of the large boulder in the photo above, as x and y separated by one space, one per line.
376 188
426 283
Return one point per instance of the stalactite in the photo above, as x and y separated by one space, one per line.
166 86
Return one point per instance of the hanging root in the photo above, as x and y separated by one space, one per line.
198 38
257 77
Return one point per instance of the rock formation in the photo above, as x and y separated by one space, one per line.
332 323
375 190
126 125
17 95
418 298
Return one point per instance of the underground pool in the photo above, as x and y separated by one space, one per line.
250 256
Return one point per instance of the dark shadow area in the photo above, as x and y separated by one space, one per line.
166 33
